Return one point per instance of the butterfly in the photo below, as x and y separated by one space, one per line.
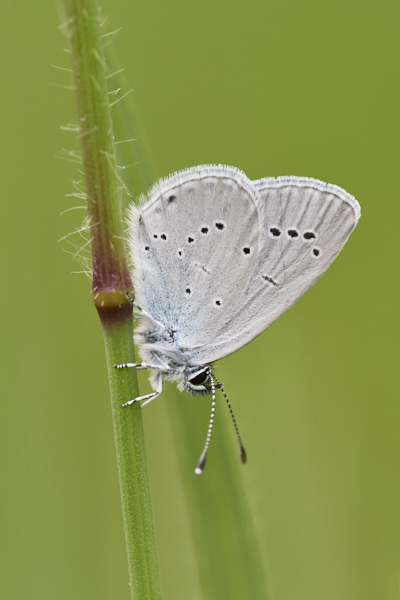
218 258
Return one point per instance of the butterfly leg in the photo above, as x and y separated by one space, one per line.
143 313
135 306
136 365
149 397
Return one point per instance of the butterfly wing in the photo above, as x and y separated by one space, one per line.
193 228
267 242
305 224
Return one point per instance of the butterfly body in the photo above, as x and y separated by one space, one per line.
166 358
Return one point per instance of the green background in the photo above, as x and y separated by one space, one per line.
274 88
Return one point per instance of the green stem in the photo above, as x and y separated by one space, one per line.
132 467
111 281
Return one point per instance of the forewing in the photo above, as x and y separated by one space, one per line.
195 243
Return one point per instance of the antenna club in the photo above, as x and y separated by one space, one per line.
202 463
243 455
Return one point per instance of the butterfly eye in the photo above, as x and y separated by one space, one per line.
199 378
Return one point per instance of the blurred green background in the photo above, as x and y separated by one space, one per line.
274 88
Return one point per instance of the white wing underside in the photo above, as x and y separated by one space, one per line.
218 257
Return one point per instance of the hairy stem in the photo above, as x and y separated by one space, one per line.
111 281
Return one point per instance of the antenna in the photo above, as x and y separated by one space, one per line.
242 451
202 461
203 457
